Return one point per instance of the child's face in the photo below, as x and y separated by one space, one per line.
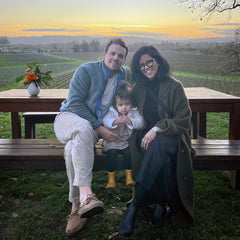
123 106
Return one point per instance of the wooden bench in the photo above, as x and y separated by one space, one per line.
48 154
32 118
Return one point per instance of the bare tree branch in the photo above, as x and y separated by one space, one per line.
208 7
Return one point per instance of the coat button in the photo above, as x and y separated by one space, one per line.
184 177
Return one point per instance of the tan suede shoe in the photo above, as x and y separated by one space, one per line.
91 206
75 223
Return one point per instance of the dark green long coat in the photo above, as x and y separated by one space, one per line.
171 92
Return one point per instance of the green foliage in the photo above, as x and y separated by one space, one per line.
12 65
43 130
231 53
193 65
4 40
34 74
217 125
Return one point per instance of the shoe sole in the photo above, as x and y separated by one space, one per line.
92 211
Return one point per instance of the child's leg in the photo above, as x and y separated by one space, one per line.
128 166
110 162
127 158
111 156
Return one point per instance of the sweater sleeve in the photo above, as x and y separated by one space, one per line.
136 118
77 95
109 118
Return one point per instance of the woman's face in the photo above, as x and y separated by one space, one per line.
148 66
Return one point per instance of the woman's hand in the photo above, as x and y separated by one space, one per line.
149 136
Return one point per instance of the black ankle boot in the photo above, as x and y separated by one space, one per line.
127 225
156 218
159 214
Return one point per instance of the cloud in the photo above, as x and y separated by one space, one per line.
145 34
230 31
118 29
52 30
227 24
75 30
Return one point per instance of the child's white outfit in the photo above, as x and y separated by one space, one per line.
123 130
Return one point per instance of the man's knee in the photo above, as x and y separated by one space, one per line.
84 130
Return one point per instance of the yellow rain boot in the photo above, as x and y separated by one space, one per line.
129 179
111 180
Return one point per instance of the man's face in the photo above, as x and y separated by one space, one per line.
115 57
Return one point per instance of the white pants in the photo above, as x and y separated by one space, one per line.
79 136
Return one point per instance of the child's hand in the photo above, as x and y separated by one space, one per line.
127 120
122 119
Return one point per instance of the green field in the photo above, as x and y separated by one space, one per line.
193 70
12 65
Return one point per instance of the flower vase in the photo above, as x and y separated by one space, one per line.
33 90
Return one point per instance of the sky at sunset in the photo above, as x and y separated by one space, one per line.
148 18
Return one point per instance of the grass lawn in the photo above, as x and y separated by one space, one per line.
34 204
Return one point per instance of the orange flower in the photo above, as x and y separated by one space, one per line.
28 69
30 77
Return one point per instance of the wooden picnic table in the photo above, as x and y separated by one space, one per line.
202 100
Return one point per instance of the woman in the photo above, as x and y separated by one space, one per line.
161 151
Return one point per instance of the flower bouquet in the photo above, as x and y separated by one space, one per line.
34 75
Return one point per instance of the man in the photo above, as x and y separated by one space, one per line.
79 126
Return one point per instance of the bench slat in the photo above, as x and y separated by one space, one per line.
31 146
29 141
211 146
48 154
37 152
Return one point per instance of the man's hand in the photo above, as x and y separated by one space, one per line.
107 134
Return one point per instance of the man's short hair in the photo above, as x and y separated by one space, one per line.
118 41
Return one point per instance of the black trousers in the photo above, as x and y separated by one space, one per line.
111 156
156 179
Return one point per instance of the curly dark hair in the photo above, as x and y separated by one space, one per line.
124 91
163 69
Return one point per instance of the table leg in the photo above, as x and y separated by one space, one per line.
234 133
194 130
199 125
234 129
202 124
16 125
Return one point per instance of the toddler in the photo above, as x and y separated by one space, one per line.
122 118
